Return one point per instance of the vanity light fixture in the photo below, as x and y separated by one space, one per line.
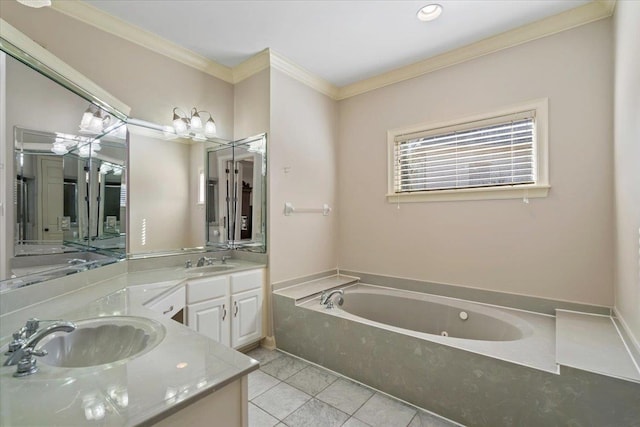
429 12
64 143
93 122
191 125
89 149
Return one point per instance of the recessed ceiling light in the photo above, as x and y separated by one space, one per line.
429 12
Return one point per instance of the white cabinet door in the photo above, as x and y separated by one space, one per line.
246 320
211 318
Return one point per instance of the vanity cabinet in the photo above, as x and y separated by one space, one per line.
227 308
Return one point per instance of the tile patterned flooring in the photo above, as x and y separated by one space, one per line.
287 391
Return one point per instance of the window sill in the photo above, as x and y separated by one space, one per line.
484 193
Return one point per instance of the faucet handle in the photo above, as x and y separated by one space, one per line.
32 326
225 258
188 264
17 342
210 260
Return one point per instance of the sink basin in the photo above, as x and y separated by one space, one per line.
101 341
209 269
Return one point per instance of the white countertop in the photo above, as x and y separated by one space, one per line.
184 367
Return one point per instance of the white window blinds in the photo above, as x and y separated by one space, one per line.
492 152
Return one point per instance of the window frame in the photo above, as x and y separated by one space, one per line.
518 191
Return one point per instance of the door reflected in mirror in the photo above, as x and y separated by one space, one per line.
236 196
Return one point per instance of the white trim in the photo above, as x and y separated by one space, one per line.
42 55
634 341
524 192
527 191
258 62
572 18
592 11
288 67
93 16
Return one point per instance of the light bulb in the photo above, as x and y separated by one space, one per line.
96 122
196 121
210 127
84 151
86 119
59 148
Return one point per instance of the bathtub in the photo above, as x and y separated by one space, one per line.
507 334
477 364
416 312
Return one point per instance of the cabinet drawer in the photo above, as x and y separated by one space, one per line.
170 304
207 288
246 280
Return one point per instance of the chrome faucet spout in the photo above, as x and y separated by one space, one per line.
59 326
22 354
325 298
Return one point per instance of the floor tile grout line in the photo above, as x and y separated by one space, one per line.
267 412
279 381
313 395
417 408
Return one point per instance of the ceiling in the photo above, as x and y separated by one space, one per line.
342 41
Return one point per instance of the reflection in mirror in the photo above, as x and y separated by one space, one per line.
236 196
108 192
166 192
52 134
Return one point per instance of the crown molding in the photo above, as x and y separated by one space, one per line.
258 62
590 12
567 20
93 16
293 70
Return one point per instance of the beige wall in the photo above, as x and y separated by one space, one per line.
302 162
627 163
251 112
557 247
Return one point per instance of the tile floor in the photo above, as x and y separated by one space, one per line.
287 391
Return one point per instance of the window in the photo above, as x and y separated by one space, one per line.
493 156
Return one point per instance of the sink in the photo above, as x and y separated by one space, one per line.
209 269
101 341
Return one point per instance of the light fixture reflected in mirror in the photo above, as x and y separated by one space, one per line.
93 121
191 125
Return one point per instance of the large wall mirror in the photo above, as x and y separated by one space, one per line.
194 195
64 176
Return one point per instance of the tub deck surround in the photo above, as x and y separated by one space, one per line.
312 288
463 384
593 343
503 299
181 370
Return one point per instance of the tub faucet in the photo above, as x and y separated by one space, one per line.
22 348
325 298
